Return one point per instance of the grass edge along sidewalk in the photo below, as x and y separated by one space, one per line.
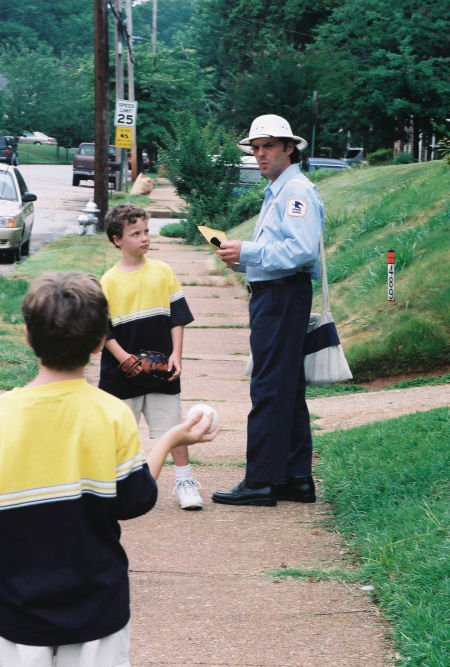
387 485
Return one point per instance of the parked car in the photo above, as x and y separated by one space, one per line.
353 156
326 163
8 150
83 164
37 138
16 213
249 170
145 161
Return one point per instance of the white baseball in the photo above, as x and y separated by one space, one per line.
206 410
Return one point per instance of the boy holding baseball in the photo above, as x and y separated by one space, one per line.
148 311
71 467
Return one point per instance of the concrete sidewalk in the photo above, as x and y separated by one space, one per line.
200 584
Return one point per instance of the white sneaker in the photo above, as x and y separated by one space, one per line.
186 491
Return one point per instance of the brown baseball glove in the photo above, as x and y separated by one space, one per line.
148 369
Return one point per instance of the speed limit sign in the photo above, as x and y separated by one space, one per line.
125 113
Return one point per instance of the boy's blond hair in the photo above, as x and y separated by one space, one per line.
66 314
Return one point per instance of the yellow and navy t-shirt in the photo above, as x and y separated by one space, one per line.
71 467
144 306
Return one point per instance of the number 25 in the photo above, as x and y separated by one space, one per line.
125 119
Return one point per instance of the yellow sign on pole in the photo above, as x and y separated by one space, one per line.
124 136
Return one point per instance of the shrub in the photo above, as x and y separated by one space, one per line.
202 164
381 156
404 158
247 204
174 230
444 149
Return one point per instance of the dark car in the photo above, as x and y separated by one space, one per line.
353 156
8 150
83 164
145 161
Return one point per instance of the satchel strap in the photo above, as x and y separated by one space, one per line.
323 267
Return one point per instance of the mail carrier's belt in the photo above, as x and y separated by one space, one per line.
257 286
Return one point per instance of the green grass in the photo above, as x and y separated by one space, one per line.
420 381
31 154
93 254
387 484
321 391
369 211
18 364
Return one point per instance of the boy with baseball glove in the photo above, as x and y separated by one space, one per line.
141 360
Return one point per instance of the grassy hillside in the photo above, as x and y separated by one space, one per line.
369 211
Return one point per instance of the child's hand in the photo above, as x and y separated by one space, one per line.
191 430
175 365
194 429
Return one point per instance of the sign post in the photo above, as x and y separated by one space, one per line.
125 122
124 136
125 115
390 275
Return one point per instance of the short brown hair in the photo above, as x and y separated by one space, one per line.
66 314
121 215
295 155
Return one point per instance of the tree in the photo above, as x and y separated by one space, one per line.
66 25
173 15
167 82
201 160
231 35
277 82
45 93
394 69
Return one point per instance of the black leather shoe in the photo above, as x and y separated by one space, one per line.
298 489
242 494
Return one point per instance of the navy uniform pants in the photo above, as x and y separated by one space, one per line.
279 440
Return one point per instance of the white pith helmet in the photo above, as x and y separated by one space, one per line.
270 126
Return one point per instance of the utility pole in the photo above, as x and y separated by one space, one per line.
154 24
118 33
131 94
101 109
315 113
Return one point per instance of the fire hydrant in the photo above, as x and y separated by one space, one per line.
88 219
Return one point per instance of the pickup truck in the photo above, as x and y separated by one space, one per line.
83 164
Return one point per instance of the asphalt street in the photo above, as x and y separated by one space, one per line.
58 205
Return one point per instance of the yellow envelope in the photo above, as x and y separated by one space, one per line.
213 236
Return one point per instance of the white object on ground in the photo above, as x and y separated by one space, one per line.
206 410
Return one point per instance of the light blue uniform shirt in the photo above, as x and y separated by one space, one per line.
286 236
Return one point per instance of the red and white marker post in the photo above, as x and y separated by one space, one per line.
390 275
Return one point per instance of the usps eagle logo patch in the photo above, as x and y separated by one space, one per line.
296 208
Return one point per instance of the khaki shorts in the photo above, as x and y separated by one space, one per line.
111 651
161 411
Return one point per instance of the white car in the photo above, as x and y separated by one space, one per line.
16 214
249 170
37 138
